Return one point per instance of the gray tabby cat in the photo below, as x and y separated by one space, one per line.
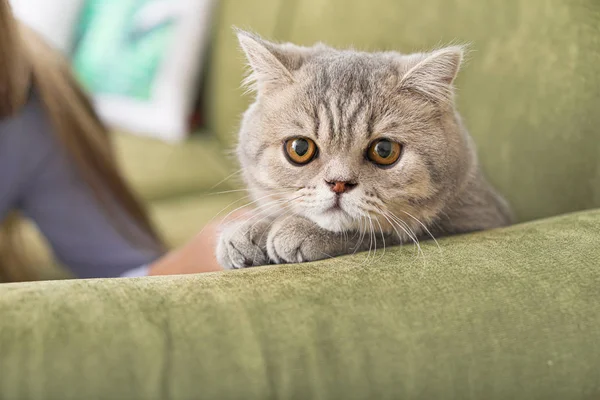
343 148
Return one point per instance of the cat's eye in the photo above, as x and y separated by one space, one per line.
300 150
384 152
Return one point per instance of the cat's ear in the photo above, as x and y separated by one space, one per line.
432 74
271 64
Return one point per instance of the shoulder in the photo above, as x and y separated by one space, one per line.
28 134
28 145
30 124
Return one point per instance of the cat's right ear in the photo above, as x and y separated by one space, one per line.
271 64
432 74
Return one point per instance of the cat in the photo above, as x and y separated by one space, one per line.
342 148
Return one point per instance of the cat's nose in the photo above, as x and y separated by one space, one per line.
340 187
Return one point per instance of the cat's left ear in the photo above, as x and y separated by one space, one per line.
272 65
433 74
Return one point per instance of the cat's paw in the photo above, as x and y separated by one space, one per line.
242 244
296 239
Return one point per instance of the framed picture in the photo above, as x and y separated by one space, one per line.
141 61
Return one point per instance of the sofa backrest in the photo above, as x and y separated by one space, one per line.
530 93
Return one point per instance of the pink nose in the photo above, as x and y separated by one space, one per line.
340 187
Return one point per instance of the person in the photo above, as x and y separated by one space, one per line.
57 168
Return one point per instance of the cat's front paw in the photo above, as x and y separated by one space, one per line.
296 239
242 244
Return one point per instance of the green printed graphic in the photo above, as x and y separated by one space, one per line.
122 43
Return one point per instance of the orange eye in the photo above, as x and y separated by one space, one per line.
384 152
300 150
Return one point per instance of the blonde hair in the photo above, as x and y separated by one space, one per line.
26 61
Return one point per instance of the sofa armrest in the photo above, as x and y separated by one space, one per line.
505 314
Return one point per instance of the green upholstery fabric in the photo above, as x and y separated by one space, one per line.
158 170
504 314
530 93
182 217
224 97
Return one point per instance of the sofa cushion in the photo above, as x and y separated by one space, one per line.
224 98
181 218
504 314
159 170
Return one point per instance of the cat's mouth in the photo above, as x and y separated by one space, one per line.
335 208
337 205
337 211
334 215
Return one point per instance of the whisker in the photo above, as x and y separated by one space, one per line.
382 236
226 191
406 228
345 237
245 190
371 237
396 230
399 221
283 203
392 225
226 178
223 209
237 201
361 236
410 232
356 232
257 211
374 236
424 227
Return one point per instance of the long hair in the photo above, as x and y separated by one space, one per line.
26 62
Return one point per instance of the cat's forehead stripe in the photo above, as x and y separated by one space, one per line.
298 124
370 125
340 120
330 120
353 116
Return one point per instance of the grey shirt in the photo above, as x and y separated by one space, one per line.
37 178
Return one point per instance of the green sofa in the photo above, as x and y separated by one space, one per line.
512 313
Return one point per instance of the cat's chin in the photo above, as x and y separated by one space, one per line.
334 220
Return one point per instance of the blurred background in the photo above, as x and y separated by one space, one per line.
165 75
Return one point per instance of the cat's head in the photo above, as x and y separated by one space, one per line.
339 136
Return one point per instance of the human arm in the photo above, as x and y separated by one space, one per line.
196 256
